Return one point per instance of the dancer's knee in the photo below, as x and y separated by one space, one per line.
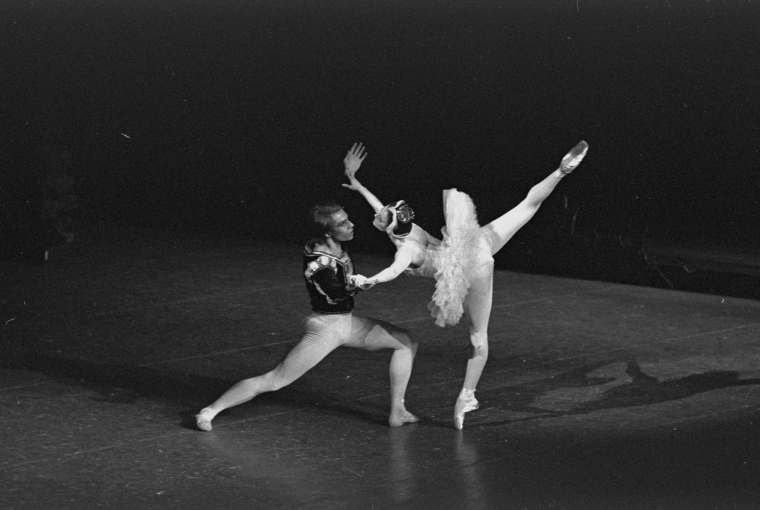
479 340
410 341
478 345
271 381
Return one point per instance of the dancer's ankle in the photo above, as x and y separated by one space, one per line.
398 419
466 394
208 413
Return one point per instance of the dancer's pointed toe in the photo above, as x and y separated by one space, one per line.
463 406
203 421
573 158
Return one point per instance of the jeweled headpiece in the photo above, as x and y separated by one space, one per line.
401 216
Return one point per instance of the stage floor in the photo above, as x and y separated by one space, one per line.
596 395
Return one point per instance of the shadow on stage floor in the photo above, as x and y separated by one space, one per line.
596 395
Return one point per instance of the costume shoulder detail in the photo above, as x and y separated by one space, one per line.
320 261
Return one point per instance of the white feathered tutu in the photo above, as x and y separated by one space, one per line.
461 252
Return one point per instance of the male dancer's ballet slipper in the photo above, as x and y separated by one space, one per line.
407 418
573 158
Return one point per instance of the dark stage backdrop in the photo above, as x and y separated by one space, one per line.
234 116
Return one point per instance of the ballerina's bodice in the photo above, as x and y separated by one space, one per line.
415 243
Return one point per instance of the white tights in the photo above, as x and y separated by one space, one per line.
322 335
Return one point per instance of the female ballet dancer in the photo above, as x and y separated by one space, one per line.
462 263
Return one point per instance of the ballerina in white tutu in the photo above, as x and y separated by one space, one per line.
462 263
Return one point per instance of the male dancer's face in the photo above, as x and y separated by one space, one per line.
342 229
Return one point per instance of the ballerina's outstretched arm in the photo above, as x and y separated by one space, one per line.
401 261
351 163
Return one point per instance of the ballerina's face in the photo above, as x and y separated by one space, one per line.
383 218
398 215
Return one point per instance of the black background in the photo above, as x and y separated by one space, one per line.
234 116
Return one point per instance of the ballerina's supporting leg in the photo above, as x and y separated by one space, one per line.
478 308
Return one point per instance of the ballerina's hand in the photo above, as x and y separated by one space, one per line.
352 162
368 284
357 281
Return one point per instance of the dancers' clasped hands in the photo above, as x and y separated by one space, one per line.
358 281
